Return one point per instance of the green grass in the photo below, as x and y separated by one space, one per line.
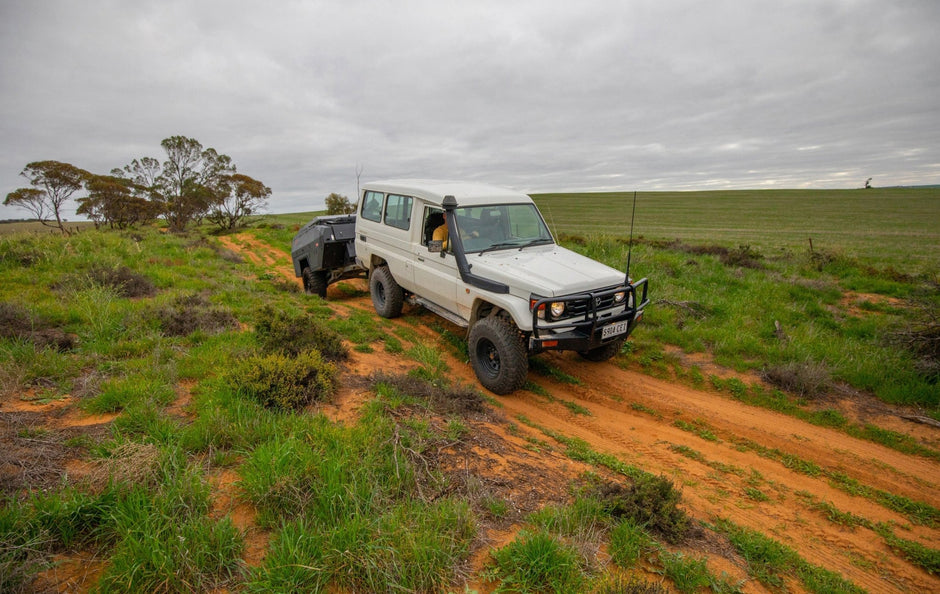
399 531
916 553
158 534
537 562
771 563
698 427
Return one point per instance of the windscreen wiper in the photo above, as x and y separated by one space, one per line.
536 241
497 246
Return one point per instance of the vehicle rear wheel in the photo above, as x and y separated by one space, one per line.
603 352
387 295
498 355
315 282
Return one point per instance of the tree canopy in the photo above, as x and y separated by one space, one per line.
241 197
193 183
116 201
53 183
338 204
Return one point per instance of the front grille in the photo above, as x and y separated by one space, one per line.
581 307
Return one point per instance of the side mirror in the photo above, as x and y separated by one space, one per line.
436 246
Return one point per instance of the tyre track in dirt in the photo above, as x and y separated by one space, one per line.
708 495
648 441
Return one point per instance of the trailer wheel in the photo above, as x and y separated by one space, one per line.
498 356
315 282
603 352
387 296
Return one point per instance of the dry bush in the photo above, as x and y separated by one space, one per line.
283 284
189 313
806 378
571 238
616 583
123 280
460 399
743 256
130 462
18 323
922 338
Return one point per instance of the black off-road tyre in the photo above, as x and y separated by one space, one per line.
315 282
603 352
387 296
498 355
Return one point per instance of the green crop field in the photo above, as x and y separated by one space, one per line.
888 226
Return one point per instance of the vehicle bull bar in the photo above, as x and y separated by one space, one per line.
586 329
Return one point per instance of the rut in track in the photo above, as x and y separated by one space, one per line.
637 418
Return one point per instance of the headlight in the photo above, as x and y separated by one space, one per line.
558 309
618 297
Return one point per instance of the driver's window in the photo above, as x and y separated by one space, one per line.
433 218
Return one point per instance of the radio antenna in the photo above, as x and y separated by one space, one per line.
630 248
552 227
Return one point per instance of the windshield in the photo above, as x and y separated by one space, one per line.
501 226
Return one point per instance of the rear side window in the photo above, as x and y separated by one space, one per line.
398 211
372 206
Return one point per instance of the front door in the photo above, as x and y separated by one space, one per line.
435 273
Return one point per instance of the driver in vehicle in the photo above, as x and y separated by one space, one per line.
442 234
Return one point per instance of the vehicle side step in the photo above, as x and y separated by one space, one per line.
444 313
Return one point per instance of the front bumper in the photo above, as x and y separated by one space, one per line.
585 332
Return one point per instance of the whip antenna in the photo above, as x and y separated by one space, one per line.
630 248
553 229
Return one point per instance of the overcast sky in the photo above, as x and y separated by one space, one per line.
536 95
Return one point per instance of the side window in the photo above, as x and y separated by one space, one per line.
398 211
372 206
433 218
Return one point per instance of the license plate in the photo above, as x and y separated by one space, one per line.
614 330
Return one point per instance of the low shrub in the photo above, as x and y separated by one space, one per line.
291 334
19 323
805 378
123 280
921 337
289 382
651 501
189 313
460 399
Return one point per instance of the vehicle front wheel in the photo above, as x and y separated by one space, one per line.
315 282
387 295
498 355
603 352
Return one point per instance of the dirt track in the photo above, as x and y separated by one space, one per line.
633 416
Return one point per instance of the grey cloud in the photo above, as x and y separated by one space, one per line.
537 95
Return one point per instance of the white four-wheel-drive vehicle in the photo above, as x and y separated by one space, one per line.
483 258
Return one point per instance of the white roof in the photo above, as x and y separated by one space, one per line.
433 191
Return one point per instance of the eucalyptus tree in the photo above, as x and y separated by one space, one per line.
53 183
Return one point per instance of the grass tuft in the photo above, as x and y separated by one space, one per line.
536 562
